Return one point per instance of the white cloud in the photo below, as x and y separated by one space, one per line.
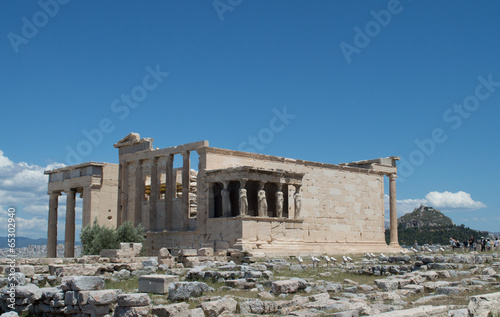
404 206
24 186
449 201
445 201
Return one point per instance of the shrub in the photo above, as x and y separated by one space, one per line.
128 233
95 238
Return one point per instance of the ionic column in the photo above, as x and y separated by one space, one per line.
170 186
203 196
123 204
139 193
153 198
393 210
261 201
69 234
297 198
186 180
279 201
226 202
52 228
243 198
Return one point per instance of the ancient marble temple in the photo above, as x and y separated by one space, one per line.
231 200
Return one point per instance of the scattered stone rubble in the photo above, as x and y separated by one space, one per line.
183 285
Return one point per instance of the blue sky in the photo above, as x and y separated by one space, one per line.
358 80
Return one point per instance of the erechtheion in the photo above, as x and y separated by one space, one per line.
234 200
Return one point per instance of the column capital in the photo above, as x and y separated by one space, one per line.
392 176
70 190
243 182
185 153
54 192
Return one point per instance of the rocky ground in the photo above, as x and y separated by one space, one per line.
202 284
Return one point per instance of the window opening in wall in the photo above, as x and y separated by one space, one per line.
217 199
178 162
163 186
271 190
252 193
147 187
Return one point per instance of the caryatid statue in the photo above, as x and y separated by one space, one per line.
279 203
297 197
262 203
243 202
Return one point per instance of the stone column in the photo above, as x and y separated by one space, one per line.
226 202
120 196
279 201
153 198
297 198
139 194
186 180
393 210
203 193
123 211
243 198
169 191
69 234
52 228
261 201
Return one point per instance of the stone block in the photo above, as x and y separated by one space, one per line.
169 262
484 305
448 290
163 253
224 305
173 310
206 252
178 291
103 297
121 311
284 287
29 270
30 292
136 299
188 252
197 312
157 284
82 283
417 311
240 283
94 310
150 262
133 248
387 284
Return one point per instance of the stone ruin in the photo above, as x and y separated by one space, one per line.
234 200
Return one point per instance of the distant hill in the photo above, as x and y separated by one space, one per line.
22 242
424 217
429 225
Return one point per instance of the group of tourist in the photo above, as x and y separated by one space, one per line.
483 244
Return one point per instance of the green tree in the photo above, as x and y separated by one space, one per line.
95 238
128 233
